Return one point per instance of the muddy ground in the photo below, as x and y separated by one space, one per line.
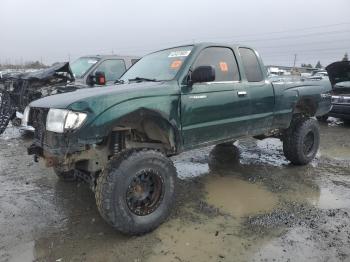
253 208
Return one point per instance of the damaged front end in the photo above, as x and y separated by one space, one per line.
339 75
63 149
18 90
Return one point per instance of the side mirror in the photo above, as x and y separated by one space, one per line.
99 78
203 74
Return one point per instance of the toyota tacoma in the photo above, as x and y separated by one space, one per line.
119 138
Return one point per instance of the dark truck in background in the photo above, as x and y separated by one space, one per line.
119 138
17 90
339 75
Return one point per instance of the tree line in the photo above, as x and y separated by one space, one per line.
319 65
26 65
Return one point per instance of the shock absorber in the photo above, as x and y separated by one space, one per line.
118 142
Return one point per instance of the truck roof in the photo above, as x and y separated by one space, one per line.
207 44
112 56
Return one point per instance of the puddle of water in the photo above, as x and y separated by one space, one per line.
335 142
275 250
337 152
205 241
238 197
330 199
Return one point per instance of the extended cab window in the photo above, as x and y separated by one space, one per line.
251 65
113 69
223 60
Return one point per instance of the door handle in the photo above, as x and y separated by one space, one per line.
241 93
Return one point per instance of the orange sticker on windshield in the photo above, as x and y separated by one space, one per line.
223 66
176 64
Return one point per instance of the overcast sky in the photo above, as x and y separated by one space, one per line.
56 30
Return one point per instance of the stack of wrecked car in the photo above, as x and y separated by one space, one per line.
17 90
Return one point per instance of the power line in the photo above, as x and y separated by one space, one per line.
295 36
308 43
285 31
319 50
252 40
136 48
301 53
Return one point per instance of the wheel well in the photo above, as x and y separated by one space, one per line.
145 128
306 107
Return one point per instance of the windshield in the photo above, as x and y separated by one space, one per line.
159 66
82 65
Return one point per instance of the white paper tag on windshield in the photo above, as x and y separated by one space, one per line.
92 61
179 53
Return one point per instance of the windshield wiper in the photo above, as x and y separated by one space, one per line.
119 82
141 79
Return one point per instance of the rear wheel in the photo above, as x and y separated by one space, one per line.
301 141
136 192
6 110
223 157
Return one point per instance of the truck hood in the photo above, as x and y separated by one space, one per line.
60 70
103 97
339 72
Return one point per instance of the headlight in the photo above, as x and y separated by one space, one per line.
60 120
25 118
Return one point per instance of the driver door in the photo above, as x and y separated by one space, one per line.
218 110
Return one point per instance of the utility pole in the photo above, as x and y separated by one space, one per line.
295 60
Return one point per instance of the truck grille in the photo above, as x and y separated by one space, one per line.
37 119
341 99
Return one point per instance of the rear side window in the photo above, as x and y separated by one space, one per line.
113 69
223 60
251 65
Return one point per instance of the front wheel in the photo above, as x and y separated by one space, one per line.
136 192
301 141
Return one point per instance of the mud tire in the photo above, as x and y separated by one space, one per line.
114 183
223 157
6 111
301 141
66 176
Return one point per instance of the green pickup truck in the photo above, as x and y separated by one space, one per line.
119 138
